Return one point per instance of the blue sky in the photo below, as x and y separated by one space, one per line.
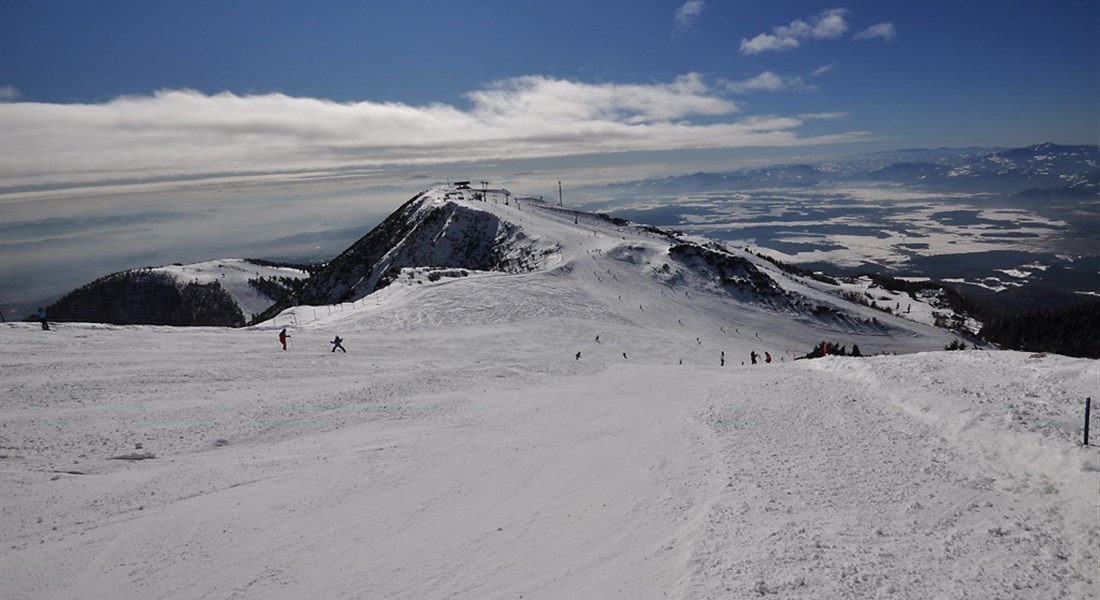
136 133
250 86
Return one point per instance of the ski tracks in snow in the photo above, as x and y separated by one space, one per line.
487 462
836 491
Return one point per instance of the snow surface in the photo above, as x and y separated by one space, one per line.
460 449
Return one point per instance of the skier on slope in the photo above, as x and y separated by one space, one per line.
753 356
41 316
336 343
767 357
283 335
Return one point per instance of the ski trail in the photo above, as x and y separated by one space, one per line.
831 484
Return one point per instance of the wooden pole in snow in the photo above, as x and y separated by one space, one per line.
1088 408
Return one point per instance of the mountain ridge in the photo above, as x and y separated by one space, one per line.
449 232
223 293
426 231
610 269
1044 167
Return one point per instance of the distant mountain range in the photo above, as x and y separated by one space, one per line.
1042 169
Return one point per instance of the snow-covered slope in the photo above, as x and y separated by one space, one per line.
226 292
236 276
442 227
583 429
511 250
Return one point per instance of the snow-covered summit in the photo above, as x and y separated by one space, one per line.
513 257
444 227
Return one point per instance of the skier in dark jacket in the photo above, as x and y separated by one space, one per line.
41 316
283 335
336 344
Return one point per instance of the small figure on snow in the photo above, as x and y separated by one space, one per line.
283 336
767 357
753 355
41 316
597 339
336 343
722 362
578 356
624 355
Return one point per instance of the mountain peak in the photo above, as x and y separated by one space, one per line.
445 227
453 255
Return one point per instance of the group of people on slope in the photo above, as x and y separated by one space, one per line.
753 356
336 343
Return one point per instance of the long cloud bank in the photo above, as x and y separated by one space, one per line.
184 134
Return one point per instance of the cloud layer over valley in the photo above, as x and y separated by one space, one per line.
184 134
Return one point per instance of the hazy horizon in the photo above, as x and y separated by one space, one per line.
132 135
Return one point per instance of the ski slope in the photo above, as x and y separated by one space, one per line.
461 449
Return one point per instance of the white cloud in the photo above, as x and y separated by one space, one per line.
767 82
823 69
184 134
828 24
9 94
826 116
878 31
558 101
687 15
767 42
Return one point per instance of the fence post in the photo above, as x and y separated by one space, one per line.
1088 408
